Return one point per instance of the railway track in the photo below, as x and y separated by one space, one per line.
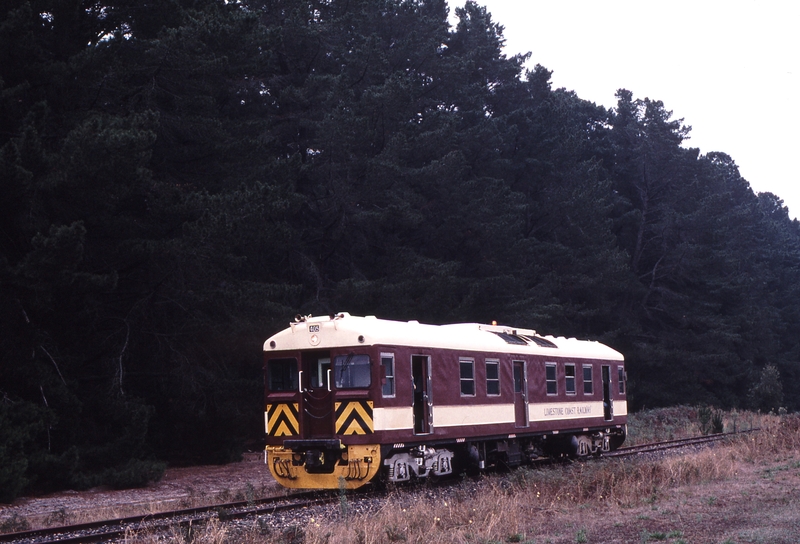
110 530
673 444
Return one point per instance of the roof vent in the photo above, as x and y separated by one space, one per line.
511 338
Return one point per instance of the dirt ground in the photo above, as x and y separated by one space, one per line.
180 488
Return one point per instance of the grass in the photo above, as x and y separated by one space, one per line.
520 505
696 497
746 489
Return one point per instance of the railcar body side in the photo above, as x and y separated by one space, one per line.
348 397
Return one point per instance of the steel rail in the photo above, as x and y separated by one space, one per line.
671 444
100 531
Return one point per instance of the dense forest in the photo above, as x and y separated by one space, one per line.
180 178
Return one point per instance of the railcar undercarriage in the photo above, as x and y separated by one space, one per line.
329 464
419 462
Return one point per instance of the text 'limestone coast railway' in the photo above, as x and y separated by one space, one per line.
350 397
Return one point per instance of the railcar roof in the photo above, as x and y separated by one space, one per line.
343 330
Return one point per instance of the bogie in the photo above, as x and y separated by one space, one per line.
419 462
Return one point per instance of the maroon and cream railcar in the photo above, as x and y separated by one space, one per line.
348 397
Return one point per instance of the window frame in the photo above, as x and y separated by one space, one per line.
291 376
522 377
338 370
466 380
621 379
590 381
390 378
570 380
548 381
495 381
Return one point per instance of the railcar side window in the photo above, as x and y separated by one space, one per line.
518 376
387 362
282 374
621 379
352 371
588 388
550 378
467 368
492 377
569 373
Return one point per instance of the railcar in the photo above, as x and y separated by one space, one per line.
350 398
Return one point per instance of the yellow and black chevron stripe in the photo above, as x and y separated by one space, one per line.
282 420
354 417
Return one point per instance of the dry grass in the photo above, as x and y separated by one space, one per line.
508 508
746 489
696 496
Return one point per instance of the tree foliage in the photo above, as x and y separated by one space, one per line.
179 178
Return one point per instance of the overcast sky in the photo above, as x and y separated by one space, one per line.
729 68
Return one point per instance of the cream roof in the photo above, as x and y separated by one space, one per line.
343 330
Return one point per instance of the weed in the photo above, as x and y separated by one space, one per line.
652 498
222 513
581 537
14 524
710 420
395 534
344 505
58 517
250 494
264 527
294 535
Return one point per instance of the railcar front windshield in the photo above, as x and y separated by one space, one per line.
352 371
282 374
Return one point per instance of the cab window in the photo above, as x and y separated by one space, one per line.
320 377
282 374
352 371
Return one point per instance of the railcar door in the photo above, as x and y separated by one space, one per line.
423 403
520 394
317 397
607 411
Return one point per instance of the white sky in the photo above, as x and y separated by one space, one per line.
729 68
